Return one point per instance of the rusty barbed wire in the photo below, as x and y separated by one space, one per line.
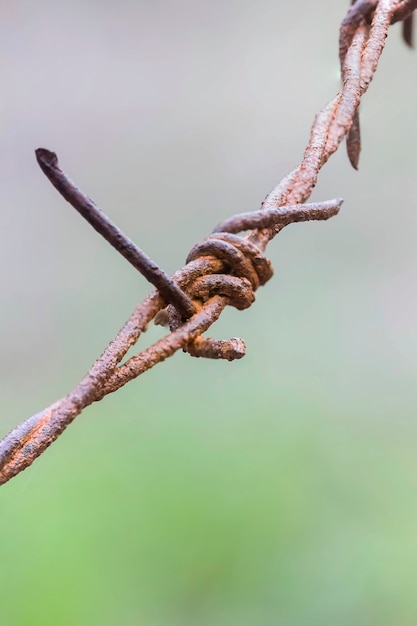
225 269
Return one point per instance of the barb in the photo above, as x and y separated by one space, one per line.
408 31
277 218
224 269
48 162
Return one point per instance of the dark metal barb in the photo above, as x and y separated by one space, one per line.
171 292
408 31
353 141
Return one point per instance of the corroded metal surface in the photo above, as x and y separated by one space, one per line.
224 269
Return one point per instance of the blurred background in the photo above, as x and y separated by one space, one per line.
280 489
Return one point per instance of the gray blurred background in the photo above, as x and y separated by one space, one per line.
280 489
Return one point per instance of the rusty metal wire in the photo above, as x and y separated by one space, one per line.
224 269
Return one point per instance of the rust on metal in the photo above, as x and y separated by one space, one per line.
224 269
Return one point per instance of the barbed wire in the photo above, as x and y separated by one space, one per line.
225 269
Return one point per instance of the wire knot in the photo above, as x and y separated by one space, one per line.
244 269
226 265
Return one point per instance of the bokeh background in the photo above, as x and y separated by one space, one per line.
280 489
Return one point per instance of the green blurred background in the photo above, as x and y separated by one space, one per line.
280 489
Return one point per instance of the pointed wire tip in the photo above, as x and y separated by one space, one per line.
353 151
354 163
46 157
408 31
337 204
353 141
